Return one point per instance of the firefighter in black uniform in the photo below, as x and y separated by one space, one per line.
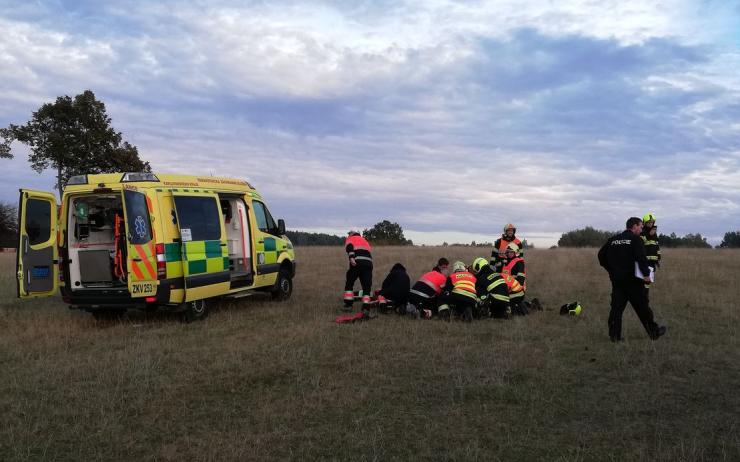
360 266
652 246
619 256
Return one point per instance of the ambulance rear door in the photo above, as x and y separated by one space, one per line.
37 269
141 258
205 256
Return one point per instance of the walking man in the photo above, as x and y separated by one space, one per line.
622 256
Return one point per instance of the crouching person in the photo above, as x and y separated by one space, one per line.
459 293
423 297
395 290
492 289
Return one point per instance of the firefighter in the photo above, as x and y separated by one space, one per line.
491 289
459 291
498 254
360 266
395 290
621 256
513 267
423 296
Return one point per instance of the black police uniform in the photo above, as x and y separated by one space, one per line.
618 257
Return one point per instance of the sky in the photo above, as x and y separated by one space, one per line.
450 118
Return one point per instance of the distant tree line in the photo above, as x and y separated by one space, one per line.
591 237
301 238
525 244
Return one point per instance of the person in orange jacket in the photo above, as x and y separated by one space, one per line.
498 254
424 294
360 267
459 291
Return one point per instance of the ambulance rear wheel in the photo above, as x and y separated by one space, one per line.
283 286
195 310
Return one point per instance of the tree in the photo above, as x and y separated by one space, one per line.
731 240
301 238
386 233
586 237
8 225
73 136
689 240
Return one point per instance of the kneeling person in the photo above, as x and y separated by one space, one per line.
423 296
459 291
395 290
491 288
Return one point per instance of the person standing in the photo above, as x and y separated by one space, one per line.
621 256
360 266
498 254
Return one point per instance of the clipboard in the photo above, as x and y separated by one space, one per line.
638 272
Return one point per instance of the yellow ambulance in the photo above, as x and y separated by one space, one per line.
140 240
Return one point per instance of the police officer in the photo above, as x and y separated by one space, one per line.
619 256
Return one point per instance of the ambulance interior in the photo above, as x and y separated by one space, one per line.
91 240
236 226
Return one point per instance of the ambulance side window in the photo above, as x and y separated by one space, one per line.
259 215
201 215
265 223
38 221
137 217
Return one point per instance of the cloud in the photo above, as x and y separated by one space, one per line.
440 115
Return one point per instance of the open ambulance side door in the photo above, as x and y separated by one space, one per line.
205 255
37 260
141 258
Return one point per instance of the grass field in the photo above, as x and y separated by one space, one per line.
279 381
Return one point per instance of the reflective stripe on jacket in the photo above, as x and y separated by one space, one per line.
521 275
358 248
463 283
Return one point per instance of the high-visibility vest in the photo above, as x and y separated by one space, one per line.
435 280
463 283
358 244
512 284
506 271
503 243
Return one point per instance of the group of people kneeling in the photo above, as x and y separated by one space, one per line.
485 288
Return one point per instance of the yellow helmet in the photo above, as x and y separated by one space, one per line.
478 264
648 217
458 266
513 247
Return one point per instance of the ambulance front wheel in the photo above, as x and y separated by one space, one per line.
283 286
194 310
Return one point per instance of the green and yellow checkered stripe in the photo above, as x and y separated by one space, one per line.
202 257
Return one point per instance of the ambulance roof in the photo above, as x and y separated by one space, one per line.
163 180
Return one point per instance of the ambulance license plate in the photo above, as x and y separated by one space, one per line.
143 289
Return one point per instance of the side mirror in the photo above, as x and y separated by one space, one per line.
281 227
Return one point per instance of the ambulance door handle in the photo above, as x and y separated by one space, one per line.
222 244
261 242
136 259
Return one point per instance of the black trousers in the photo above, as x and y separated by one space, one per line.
363 271
462 304
631 290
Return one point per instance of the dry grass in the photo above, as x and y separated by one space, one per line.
259 381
